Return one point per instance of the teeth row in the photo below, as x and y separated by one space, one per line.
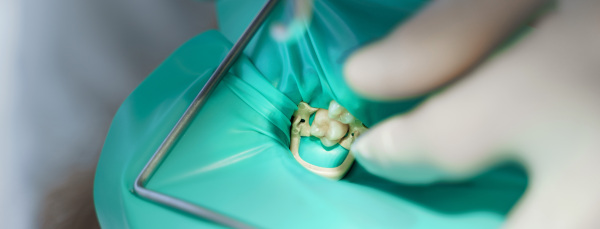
328 130
332 126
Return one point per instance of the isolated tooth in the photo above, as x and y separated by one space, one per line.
335 109
320 124
336 130
346 117
337 112
337 126
321 117
317 130
333 126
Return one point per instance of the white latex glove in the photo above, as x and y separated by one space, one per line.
537 102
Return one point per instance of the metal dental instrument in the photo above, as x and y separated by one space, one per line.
168 143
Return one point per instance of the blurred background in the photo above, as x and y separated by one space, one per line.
65 67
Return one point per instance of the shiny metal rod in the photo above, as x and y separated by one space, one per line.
186 119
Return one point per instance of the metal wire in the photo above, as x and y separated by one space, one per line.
168 143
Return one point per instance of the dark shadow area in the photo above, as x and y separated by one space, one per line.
71 204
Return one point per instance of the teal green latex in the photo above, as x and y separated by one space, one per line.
234 158
314 152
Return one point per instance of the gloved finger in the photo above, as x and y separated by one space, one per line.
571 194
451 136
441 42
535 98
455 133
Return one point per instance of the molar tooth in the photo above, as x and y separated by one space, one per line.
336 130
317 130
335 109
321 116
346 117
328 143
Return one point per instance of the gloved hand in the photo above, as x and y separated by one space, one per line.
538 102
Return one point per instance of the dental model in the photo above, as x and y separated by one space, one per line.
333 127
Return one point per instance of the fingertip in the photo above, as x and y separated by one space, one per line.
394 165
364 71
361 148
438 45
388 142
394 151
395 68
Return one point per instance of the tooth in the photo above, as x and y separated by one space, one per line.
317 130
320 124
304 112
336 130
321 116
346 118
328 143
336 126
335 109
